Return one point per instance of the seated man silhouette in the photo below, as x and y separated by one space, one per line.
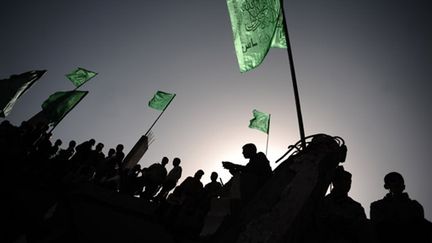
396 217
251 176
339 217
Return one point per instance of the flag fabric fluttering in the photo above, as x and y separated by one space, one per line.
257 26
260 121
80 75
161 100
13 88
59 104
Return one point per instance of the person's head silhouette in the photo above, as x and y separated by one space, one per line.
341 181
72 144
394 182
58 143
214 176
249 150
199 174
111 152
164 161
99 147
119 148
176 162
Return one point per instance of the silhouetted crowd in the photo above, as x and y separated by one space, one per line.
33 164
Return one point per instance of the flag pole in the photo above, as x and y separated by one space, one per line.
159 115
294 79
268 135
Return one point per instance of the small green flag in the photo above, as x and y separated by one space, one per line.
80 75
13 88
257 26
161 100
59 104
260 121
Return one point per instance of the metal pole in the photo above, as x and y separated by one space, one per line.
268 135
294 80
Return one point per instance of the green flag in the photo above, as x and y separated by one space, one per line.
59 104
80 75
260 121
13 88
257 25
161 100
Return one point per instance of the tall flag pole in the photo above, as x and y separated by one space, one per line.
294 80
258 26
160 101
268 134
261 121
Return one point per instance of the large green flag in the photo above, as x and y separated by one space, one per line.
59 104
257 25
80 75
260 121
13 88
161 100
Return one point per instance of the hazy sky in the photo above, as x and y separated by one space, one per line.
363 70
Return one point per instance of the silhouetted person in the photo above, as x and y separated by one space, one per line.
66 154
211 191
340 218
188 193
110 159
396 217
152 178
136 170
171 179
129 180
213 188
191 188
119 156
62 160
83 152
111 153
97 155
55 148
252 175
108 174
